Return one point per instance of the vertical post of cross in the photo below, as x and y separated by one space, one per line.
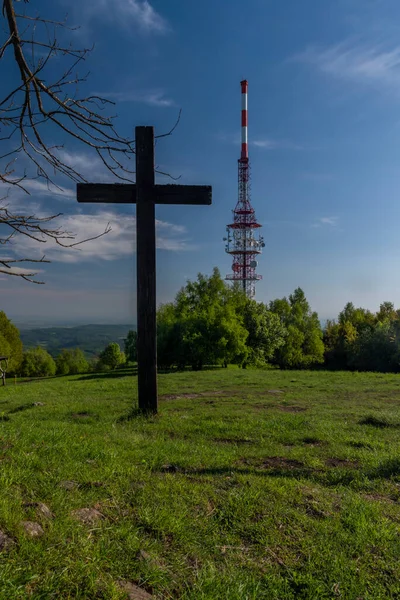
145 194
146 270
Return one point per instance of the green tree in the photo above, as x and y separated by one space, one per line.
37 362
335 350
131 346
386 312
303 345
341 345
201 326
111 357
359 318
375 349
71 362
266 332
10 343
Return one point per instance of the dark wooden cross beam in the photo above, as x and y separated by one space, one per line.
145 194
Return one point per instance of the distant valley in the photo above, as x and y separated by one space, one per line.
92 339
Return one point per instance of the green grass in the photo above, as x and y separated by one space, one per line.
248 485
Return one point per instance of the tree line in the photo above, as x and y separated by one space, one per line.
213 323
210 322
37 362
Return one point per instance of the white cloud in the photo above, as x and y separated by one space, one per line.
370 64
30 269
88 165
81 161
128 12
267 144
262 143
150 97
270 144
330 221
35 187
119 243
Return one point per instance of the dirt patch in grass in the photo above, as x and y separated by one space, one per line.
180 396
87 516
32 529
280 407
145 557
342 462
373 497
238 441
83 415
313 441
273 462
280 462
68 485
291 409
6 542
133 591
42 510
170 469
88 485
193 396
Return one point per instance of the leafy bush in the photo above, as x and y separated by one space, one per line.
10 343
111 357
38 363
71 362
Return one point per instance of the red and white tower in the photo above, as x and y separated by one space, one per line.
241 241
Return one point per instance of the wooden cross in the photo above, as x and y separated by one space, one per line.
145 194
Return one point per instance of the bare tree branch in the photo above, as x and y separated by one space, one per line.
33 104
39 105
38 229
36 110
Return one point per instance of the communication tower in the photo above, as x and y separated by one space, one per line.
241 241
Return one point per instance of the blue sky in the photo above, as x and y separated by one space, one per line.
324 132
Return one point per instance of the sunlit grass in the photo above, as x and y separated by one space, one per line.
248 484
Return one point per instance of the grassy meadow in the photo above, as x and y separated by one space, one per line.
247 485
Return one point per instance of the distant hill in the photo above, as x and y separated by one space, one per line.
92 339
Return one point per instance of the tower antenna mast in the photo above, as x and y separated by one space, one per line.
241 241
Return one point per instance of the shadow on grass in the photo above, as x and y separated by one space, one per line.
375 422
109 375
133 371
135 413
33 379
388 469
188 369
326 477
323 477
22 407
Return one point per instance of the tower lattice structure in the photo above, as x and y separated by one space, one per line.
242 242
